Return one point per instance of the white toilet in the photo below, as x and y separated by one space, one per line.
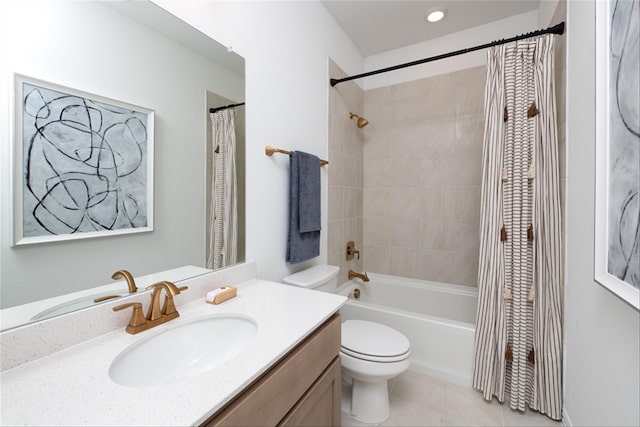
371 353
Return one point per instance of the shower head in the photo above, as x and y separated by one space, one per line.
362 122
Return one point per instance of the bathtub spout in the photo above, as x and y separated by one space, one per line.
361 276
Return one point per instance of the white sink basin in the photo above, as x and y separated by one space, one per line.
183 351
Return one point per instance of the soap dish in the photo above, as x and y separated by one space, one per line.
221 294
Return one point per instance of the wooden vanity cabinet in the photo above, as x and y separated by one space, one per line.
302 389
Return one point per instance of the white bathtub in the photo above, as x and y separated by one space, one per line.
438 319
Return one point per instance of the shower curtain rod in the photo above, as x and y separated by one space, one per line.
213 110
557 29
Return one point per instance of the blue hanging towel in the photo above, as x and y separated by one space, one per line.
303 240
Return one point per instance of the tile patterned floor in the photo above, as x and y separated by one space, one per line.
420 400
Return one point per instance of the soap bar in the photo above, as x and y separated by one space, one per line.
221 294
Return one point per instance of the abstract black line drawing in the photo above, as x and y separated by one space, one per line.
85 164
624 143
617 209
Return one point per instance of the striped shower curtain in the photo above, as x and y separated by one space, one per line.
223 221
518 340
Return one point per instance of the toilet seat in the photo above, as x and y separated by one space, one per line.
373 342
380 359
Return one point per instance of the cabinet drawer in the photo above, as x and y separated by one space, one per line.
268 400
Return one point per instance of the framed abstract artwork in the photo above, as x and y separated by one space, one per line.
617 243
83 164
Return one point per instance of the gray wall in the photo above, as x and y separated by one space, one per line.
602 332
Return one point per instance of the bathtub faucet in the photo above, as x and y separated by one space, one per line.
361 276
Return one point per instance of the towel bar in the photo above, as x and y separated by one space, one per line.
269 151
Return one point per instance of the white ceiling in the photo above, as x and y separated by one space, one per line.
377 26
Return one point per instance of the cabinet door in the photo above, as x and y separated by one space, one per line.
271 398
320 405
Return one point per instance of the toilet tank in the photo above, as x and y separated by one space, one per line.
320 278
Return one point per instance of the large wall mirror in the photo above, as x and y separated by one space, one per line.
139 54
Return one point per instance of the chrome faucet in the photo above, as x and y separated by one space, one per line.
155 315
361 276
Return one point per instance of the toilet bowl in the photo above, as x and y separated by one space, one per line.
370 353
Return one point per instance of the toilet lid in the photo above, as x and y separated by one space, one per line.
373 341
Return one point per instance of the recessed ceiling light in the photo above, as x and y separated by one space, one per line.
435 14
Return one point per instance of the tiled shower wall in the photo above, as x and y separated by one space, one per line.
422 172
413 207
346 143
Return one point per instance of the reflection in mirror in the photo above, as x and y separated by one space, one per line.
225 180
137 53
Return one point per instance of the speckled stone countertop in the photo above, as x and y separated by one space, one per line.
73 387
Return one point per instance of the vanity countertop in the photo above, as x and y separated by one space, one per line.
73 387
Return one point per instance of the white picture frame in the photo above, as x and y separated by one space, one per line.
617 201
82 164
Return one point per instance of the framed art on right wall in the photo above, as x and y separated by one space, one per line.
617 227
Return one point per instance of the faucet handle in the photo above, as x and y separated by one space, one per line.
108 297
137 317
170 287
351 250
